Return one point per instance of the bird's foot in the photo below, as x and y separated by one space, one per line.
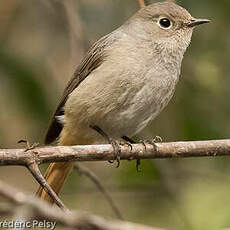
131 141
153 142
117 151
115 144
127 143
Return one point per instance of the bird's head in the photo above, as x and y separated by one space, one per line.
165 22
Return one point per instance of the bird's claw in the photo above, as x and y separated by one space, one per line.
144 143
126 143
117 151
138 163
157 139
151 142
114 143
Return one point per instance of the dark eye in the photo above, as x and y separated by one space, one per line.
165 23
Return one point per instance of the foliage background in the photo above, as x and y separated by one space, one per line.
41 43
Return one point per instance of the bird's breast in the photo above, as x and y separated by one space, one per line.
122 95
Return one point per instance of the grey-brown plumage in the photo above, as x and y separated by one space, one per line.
126 78
123 83
93 59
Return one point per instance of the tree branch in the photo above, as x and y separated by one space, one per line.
47 154
31 158
39 210
35 171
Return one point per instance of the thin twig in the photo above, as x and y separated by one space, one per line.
93 177
34 169
141 3
74 220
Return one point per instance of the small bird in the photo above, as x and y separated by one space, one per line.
125 80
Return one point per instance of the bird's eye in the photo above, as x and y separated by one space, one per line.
164 23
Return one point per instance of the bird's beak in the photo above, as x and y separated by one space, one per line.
197 21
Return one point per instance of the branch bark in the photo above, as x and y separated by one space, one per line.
35 171
48 154
39 210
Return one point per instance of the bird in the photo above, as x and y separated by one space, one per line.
122 84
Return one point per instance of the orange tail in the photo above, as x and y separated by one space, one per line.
55 175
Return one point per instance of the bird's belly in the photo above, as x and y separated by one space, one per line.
118 109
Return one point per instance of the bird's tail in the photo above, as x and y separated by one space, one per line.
55 175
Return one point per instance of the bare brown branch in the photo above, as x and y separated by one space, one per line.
47 154
34 169
39 210
31 158
85 171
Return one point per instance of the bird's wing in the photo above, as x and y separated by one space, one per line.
92 60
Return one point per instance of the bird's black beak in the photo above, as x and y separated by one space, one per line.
197 21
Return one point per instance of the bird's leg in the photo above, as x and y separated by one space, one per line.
130 141
114 143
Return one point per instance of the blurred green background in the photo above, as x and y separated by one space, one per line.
42 42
